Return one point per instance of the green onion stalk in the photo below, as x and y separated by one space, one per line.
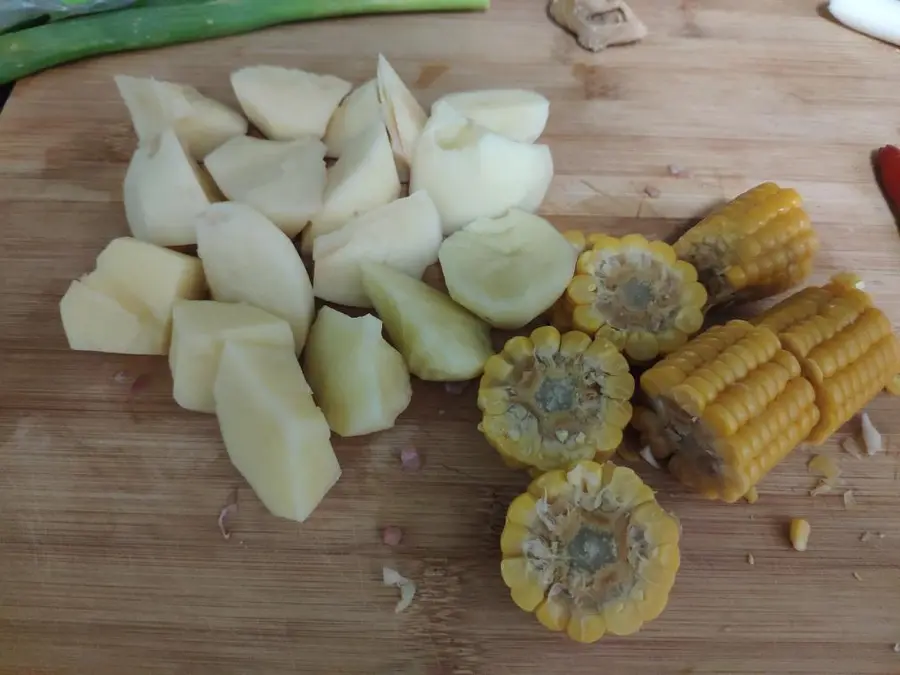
157 23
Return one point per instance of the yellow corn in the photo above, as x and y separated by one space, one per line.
800 530
845 347
758 245
634 293
551 399
726 408
590 551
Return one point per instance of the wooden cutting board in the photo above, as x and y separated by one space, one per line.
111 562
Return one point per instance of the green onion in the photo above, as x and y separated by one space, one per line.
156 23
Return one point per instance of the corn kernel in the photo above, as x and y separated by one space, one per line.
600 555
758 245
800 530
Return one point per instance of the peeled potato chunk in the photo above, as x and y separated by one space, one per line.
353 115
95 321
402 114
507 270
125 304
287 103
274 433
471 172
248 259
283 180
438 339
364 177
200 329
359 380
518 114
404 234
201 123
164 191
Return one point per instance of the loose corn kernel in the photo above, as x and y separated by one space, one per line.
800 530
727 407
589 551
634 293
551 399
845 346
756 246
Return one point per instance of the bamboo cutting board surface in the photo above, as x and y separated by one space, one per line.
110 558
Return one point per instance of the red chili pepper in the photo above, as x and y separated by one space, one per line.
887 167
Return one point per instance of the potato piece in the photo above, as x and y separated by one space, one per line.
359 380
364 177
274 433
507 270
438 339
201 123
153 275
287 103
199 331
248 259
283 180
164 192
472 173
353 116
518 114
402 114
405 234
97 322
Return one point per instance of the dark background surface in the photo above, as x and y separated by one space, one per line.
4 94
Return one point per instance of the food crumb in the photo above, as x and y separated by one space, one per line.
856 576
678 171
849 499
822 488
648 457
441 412
121 377
752 496
455 388
750 559
871 437
392 535
391 577
226 511
865 536
851 447
410 460
897 647
652 191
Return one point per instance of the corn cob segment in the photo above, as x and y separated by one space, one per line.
590 551
726 408
551 399
845 346
756 246
634 293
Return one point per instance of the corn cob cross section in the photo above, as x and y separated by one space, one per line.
590 551
726 408
551 399
756 246
632 292
845 346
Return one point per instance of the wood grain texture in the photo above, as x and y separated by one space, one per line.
110 559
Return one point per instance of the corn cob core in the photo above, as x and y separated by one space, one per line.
634 293
758 245
726 408
550 400
845 346
590 551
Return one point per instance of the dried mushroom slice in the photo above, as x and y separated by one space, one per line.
598 24
634 293
551 399
756 246
726 408
590 551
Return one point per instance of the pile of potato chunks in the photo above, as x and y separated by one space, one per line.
200 177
